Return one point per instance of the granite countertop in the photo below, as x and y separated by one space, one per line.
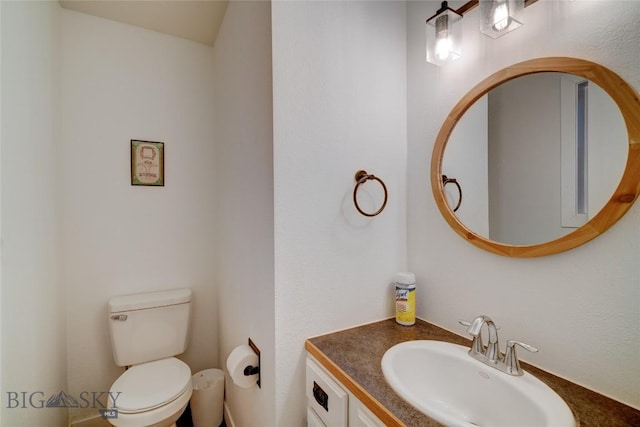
353 356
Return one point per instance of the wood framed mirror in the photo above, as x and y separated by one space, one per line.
617 201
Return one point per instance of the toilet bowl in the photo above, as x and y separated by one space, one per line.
151 394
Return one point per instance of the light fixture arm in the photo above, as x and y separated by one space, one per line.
474 3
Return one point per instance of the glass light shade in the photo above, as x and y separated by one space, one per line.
498 17
444 36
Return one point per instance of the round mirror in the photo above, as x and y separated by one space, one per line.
539 158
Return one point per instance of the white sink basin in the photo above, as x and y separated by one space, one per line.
442 381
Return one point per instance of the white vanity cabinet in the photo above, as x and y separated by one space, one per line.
330 404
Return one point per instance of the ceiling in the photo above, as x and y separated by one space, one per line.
196 20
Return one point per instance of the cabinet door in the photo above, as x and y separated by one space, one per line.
325 396
364 418
313 420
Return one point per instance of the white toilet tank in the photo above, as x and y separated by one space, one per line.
149 326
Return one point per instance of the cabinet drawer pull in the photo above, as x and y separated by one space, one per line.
321 397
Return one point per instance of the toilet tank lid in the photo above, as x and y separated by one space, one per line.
149 300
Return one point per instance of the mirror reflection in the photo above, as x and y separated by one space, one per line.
535 158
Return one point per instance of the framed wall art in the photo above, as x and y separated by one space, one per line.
147 163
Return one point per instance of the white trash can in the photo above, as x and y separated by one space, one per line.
208 398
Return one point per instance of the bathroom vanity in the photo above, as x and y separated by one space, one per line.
330 404
349 364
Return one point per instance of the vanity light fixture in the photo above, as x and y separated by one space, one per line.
444 36
498 17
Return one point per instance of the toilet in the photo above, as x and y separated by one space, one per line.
147 330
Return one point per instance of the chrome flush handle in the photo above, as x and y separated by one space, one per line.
122 317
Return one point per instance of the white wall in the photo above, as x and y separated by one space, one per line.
119 83
244 195
33 330
581 307
339 80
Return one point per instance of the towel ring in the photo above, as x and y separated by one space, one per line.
361 178
445 181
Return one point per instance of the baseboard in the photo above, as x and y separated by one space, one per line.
100 422
228 419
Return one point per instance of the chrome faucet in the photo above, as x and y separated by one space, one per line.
490 354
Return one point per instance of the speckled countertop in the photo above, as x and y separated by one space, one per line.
353 356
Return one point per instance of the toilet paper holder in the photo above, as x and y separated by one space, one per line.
253 370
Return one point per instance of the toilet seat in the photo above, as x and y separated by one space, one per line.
151 385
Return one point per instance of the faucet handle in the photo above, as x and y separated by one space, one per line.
512 343
467 324
512 364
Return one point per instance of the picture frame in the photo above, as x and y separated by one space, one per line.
147 163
